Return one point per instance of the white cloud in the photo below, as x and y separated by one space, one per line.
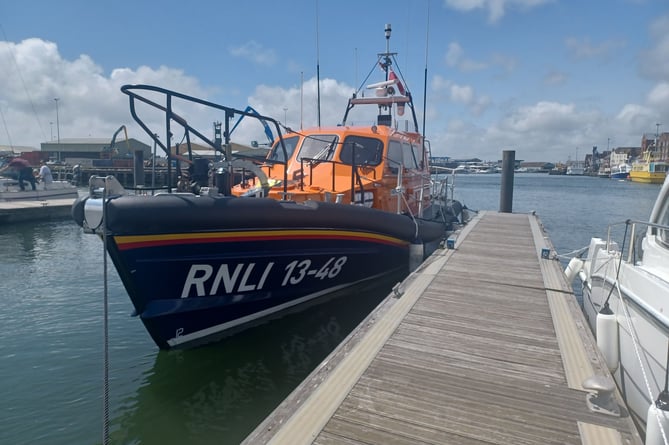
508 64
636 119
462 94
584 49
555 78
658 97
254 52
654 63
440 83
542 117
90 104
496 9
455 58
459 120
454 54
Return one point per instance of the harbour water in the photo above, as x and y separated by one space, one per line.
51 354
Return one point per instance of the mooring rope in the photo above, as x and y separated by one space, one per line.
573 253
105 325
635 343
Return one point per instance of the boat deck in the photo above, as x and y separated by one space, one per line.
483 344
35 210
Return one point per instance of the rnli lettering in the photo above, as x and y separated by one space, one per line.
200 274
205 279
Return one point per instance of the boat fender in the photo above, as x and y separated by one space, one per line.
657 420
93 211
574 266
416 255
78 210
607 336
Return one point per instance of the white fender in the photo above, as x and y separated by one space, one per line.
575 265
657 420
607 337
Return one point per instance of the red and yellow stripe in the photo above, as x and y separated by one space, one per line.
129 242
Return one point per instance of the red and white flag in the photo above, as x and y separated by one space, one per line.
400 87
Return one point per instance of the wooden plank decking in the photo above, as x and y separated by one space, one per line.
485 345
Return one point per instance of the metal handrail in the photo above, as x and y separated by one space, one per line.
632 235
134 93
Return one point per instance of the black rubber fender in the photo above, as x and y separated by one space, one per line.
78 210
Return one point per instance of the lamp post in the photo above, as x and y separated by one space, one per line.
153 162
56 99
51 125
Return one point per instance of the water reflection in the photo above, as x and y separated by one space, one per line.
219 393
28 241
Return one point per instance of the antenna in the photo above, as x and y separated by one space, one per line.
427 41
355 59
387 59
318 70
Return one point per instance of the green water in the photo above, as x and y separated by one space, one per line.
51 312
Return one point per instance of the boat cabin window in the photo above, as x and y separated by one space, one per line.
394 156
277 151
368 151
663 219
409 159
320 146
418 155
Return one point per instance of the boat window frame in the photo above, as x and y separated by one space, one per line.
410 161
370 145
394 156
277 152
662 235
326 144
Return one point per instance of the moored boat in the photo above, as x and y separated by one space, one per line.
604 172
242 240
626 301
10 191
621 171
648 169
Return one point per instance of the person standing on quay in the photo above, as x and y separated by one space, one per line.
23 171
45 174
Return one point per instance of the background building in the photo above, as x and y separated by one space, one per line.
78 150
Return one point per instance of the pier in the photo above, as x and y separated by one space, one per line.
484 343
35 210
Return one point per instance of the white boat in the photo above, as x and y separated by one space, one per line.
626 302
604 172
461 169
621 171
576 170
10 191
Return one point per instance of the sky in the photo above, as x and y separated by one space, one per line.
548 79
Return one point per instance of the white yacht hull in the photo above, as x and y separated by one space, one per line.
10 191
643 327
626 302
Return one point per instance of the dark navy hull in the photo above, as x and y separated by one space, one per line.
199 267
